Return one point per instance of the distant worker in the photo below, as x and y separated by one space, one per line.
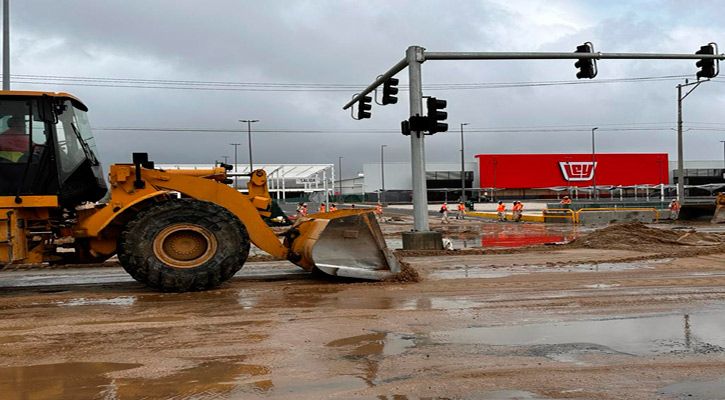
14 141
518 211
461 214
301 211
322 207
379 212
333 207
352 206
565 201
501 209
674 209
444 213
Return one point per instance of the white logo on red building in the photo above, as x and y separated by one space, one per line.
577 171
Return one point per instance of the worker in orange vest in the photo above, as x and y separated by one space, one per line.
379 212
461 211
322 207
333 207
518 211
674 209
501 211
444 213
565 201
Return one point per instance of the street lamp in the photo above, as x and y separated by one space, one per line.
463 166
382 172
594 166
249 137
339 164
236 167
723 150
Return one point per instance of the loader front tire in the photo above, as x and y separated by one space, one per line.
183 245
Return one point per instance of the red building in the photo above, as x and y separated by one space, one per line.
530 171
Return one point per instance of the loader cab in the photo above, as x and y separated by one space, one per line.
47 148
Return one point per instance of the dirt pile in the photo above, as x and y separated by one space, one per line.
407 274
637 236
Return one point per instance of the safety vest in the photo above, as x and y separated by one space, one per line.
675 206
501 207
461 207
333 208
566 201
322 208
378 209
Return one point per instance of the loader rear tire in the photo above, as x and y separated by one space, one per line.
183 245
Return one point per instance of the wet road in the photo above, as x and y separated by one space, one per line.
580 325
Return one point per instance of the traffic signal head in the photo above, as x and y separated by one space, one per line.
390 89
364 107
587 66
435 113
709 68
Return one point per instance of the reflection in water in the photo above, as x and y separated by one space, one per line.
507 235
90 380
58 381
642 336
371 349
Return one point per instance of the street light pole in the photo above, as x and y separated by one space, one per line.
249 139
463 166
6 44
225 159
723 150
236 167
680 151
339 176
594 166
382 172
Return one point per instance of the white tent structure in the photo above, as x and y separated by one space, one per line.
281 178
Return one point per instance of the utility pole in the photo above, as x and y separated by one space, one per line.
225 159
680 151
382 173
463 167
236 166
249 138
6 44
594 167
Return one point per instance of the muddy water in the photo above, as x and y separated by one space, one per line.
699 333
504 235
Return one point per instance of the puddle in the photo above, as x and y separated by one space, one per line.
698 333
137 320
369 350
505 395
79 380
82 301
11 339
713 390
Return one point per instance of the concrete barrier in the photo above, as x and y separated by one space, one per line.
593 217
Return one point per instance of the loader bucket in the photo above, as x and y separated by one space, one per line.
346 243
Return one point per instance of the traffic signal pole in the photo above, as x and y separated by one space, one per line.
415 56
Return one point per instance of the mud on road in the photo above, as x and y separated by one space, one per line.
585 320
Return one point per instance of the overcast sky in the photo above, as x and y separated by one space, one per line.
330 43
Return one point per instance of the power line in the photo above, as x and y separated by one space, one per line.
294 87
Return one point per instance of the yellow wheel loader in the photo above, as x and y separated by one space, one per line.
173 230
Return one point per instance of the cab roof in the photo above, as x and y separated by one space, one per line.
30 93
